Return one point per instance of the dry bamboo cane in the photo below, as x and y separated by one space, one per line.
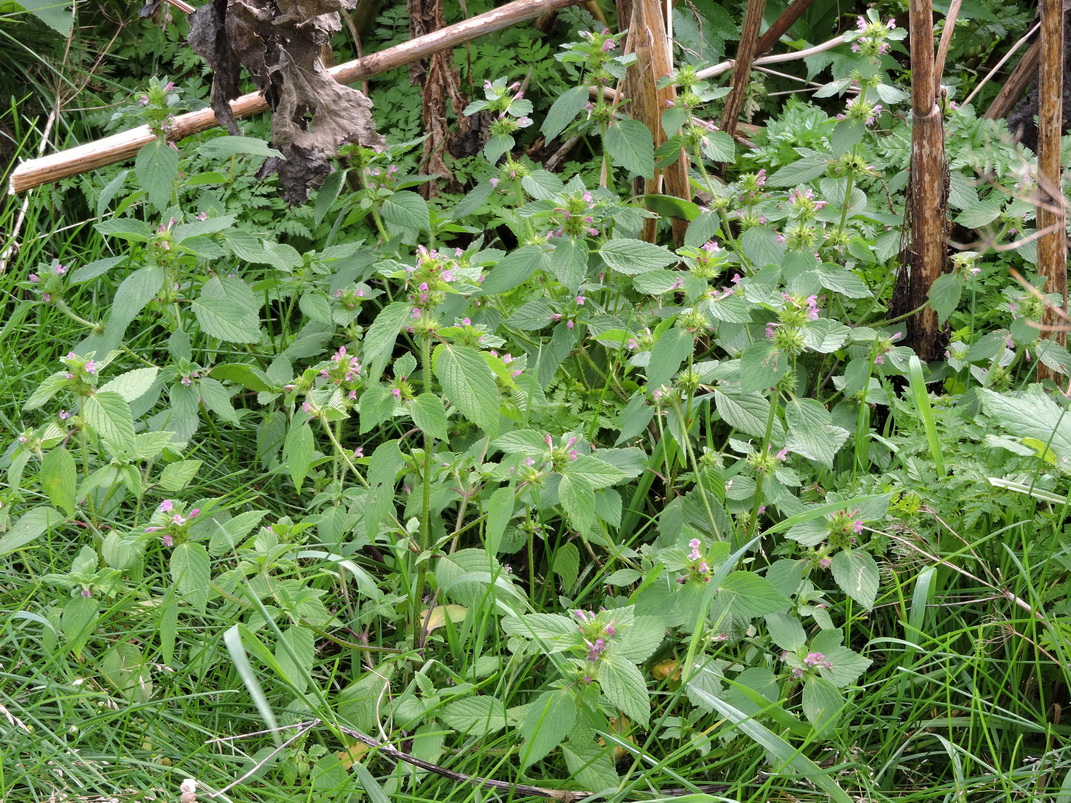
649 40
749 36
1051 220
116 148
928 248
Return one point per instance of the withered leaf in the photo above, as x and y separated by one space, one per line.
281 44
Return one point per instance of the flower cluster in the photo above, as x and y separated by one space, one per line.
964 265
81 372
351 297
844 526
705 262
598 52
502 100
883 345
872 35
574 216
48 282
698 568
429 281
157 105
344 372
562 455
861 110
803 204
767 462
171 522
596 630
810 662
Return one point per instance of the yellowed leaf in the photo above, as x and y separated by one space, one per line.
436 617
352 754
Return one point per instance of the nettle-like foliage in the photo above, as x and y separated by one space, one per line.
664 442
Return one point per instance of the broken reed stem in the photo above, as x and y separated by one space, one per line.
723 67
116 148
1004 60
946 40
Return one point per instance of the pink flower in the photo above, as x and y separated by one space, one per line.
166 506
167 540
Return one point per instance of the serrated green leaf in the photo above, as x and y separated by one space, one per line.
567 564
578 499
469 384
542 185
499 512
56 14
564 110
30 526
220 147
719 147
295 655
379 339
429 415
59 479
156 167
109 416
635 256
132 385
822 703
298 449
843 281
856 572
624 686
640 640
749 595
137 290
800 172
945 293
248 376
595 472
191 570
475 716
177 476
631 146
78 618
406 211
747 412
786 631
1031 415
762 365
670 350
515 269
547 721
568 262
761 247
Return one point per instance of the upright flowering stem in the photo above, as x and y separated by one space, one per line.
714 529
761 476
420 576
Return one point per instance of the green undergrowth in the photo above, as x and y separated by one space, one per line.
499 482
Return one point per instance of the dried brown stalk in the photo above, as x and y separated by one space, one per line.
1052 247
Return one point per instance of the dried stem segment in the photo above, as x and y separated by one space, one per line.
1051 218
125 145
749 36
649 40
927 205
